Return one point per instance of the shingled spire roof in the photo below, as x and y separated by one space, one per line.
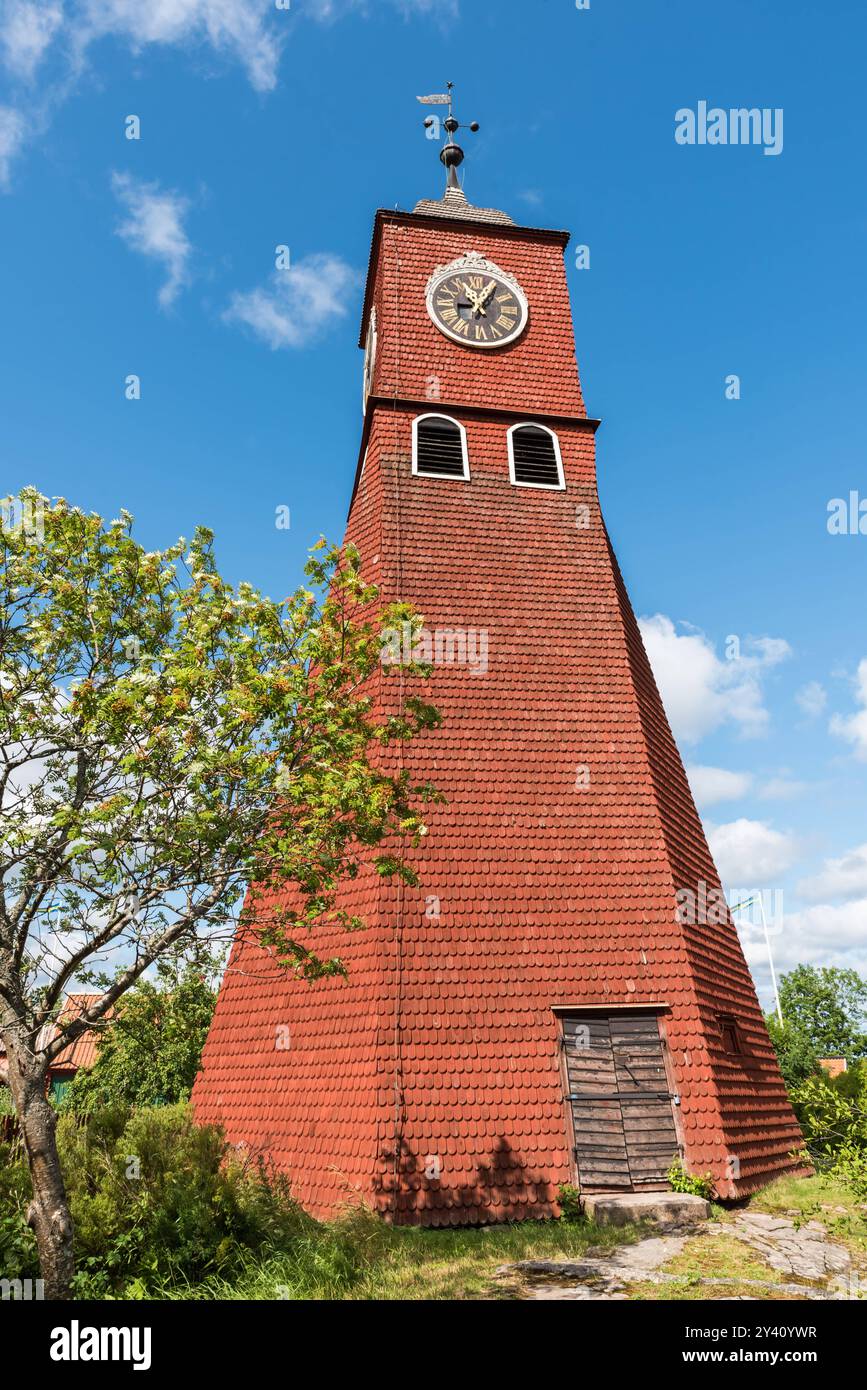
454 204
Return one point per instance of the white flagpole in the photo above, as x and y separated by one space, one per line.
771 960
746 903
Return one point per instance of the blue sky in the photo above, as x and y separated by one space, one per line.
263 127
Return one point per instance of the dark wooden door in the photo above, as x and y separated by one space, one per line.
625 1139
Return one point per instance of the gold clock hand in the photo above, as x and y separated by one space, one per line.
471 296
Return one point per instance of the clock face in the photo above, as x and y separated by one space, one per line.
476 304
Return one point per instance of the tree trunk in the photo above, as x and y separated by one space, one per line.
48 1213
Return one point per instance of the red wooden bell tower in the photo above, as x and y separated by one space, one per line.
536 1012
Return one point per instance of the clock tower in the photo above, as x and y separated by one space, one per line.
564 998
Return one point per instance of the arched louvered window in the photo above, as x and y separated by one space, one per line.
439 447
534 457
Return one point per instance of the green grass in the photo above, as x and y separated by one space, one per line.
687 1290
360 1258
719 1257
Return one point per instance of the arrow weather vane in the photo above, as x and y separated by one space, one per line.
451 154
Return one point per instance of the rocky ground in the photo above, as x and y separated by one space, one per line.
764 1256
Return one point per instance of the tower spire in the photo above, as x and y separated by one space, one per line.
451 154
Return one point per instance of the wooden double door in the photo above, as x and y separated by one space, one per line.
624 1133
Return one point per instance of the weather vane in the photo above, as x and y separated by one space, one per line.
451 153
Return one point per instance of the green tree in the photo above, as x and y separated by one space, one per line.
166 741
150 1053
824 1015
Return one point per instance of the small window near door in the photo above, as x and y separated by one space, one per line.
728 1031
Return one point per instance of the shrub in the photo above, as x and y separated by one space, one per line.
155 1199
833 1117
17 1244
569 1199
680 1180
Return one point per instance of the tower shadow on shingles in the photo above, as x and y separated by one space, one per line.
503 1189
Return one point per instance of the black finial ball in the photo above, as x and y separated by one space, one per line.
474 125
451 155
451 124
429 120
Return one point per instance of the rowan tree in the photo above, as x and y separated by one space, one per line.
169 743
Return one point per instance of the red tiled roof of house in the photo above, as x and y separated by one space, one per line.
81 1052
833 1066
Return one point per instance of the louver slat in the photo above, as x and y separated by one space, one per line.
440 450
535 456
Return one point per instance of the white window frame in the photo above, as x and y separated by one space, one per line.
544 487
441 477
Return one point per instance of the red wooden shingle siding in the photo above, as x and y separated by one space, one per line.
550 895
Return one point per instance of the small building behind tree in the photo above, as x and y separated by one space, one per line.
81 1053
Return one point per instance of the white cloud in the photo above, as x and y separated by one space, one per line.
252 33
713 784
750 851
769 651
699 690
13 129
27 29
154 228
782 789
826 934
297 305
812 698
853 727
842 878
335 9
247 30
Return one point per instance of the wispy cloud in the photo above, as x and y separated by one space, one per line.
853 727
700 690
298 305
13 130
27 30
812 699
154 228
783 788
251 33
335 9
